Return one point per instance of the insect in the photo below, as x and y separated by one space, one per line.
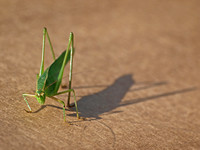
49 80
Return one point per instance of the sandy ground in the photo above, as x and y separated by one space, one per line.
136 74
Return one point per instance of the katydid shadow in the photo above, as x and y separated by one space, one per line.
106 101
139 100
92 106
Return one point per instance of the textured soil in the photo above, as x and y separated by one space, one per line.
136 74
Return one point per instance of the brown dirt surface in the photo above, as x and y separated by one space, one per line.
136 74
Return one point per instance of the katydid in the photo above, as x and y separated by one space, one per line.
48 81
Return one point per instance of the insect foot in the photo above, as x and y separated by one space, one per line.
82 118
71 105
28 111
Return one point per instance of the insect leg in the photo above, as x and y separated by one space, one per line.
71 67
54 98
51 46
29 95
45 33
75 103
43 51
60 76
71 90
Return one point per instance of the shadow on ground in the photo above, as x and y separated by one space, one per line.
139 100
105 101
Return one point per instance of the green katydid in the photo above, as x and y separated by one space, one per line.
48 81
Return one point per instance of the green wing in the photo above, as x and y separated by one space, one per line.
53 72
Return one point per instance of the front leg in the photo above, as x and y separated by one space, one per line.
29 95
